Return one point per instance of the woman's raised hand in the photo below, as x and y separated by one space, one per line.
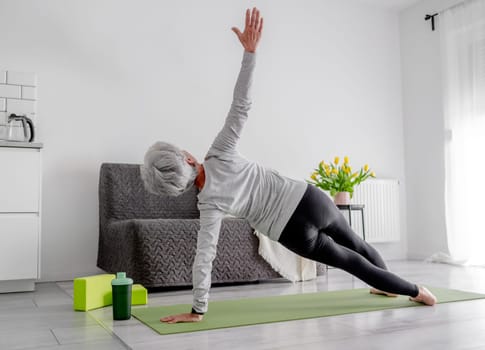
252 31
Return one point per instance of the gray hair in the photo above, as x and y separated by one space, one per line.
165 170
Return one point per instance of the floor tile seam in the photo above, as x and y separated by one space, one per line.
63 290
55 337
110 331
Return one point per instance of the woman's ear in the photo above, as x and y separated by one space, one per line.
190 161
189 158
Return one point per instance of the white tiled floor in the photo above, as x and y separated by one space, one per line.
44 319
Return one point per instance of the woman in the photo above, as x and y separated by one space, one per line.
297 215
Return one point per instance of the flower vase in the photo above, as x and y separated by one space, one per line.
342 198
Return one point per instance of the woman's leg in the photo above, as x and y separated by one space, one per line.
320 210
306 235
341 232
316 245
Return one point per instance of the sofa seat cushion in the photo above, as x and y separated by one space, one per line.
163 250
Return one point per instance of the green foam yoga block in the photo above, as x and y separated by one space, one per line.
93 292
139 295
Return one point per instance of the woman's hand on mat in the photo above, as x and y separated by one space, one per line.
182 318
252 31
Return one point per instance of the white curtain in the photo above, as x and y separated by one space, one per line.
462 32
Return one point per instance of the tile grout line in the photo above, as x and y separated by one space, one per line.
58 286
26 85
107 329
97 321
20 99
57 340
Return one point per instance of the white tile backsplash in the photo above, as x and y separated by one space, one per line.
11 91
3 118
18 95
21 78
3 132
21 107
29 92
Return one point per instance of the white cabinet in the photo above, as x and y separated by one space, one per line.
19 180
20 193
20 245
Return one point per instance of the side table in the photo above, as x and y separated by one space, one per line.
354 207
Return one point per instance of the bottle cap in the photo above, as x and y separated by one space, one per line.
121 280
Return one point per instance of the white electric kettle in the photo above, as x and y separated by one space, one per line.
20 128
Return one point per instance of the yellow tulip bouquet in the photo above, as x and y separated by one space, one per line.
334 178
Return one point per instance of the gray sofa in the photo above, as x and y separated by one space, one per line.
153 238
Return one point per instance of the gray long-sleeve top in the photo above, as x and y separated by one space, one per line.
238 187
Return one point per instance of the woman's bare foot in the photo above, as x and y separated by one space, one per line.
425 297
380 292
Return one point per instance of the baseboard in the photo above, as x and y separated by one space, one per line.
17 286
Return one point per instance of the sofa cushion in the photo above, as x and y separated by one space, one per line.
160 252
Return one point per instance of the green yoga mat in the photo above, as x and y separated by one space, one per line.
251 311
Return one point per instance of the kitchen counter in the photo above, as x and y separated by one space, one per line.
16 144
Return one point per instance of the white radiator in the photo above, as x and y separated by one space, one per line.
381 212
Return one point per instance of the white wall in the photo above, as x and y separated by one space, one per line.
423 128
114 76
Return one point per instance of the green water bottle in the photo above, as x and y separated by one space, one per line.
121 287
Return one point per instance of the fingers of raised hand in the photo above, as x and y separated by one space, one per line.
260 27
248 18
256 18
253 20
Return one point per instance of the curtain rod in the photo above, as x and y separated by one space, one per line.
431 17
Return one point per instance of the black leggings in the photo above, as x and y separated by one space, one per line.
317 230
